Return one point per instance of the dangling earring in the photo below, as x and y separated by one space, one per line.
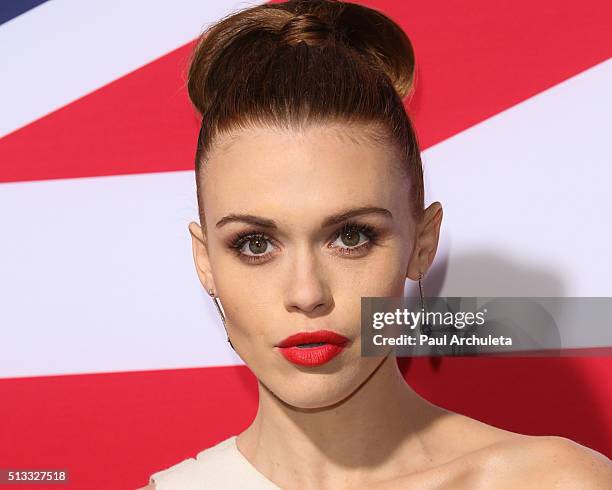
217 302
425 327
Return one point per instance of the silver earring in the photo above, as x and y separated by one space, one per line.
221 314
425 327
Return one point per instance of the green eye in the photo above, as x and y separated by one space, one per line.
258 245
350 238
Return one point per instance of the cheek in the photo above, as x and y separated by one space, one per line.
241 288
247 314
383 275
250 304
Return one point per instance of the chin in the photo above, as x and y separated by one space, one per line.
312 389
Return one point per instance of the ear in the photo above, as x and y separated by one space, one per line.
199 246
426 241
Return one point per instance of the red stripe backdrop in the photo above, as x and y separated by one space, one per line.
112 430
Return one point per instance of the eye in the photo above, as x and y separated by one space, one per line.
355 238
251 246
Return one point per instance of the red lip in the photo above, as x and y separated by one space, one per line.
334 343
327 336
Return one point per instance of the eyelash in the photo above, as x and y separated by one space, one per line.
238 241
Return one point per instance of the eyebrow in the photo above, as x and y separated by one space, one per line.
329 221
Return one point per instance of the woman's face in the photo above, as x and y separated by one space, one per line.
293 271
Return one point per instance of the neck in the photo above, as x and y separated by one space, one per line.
322 444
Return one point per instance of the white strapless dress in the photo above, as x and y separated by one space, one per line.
220 467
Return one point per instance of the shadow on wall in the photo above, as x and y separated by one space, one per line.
530 395
487 273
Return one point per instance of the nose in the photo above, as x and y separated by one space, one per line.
306 287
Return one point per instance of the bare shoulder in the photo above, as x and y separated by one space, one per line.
545 462
571 465
150 486
491 457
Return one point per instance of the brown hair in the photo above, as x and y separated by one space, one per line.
298 62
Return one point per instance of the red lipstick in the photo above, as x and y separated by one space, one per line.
312 348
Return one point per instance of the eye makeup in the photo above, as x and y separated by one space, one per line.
237 241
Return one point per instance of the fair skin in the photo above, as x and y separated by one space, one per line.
353 422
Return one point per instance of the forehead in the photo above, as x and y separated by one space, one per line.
296 175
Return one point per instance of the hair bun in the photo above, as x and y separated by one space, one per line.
368 31
253 34
306 28
382 40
